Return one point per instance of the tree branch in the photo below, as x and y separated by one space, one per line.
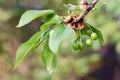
90 7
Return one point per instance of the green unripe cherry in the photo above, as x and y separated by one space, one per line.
88 32
75 46
93 36
89 42
81 45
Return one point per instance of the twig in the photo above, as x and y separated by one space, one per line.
90 7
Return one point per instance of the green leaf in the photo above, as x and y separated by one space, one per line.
49 59
57 35
26 47
55 20
44 35
98 32
48 17
31 15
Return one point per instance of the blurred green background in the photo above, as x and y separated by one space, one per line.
96 63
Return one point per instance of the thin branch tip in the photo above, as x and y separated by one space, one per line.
88 9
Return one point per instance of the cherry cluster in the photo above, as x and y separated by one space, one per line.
75 18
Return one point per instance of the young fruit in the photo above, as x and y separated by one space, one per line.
81 45
88 32
93 36
89 42
75 46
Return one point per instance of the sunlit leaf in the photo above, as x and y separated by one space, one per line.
57 35
31 15
26 47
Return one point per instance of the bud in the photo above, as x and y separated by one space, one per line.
83 4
